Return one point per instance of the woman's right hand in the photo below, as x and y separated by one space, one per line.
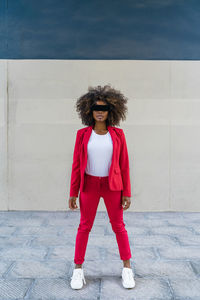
72 203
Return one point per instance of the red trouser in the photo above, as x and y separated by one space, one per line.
94 188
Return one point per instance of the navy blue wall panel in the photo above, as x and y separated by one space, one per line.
94 29
3 29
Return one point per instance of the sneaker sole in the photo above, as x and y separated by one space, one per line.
128 287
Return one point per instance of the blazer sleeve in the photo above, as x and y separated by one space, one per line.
124 166
75 173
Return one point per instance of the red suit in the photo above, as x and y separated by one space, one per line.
119 173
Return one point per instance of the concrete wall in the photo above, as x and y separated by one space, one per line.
39 122
3 136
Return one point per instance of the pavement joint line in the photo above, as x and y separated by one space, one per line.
171 289
194 269
11 266
29 289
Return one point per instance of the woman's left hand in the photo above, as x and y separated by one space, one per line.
126 202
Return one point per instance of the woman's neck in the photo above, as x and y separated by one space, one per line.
99 126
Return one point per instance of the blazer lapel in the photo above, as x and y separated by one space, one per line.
86 139
112 134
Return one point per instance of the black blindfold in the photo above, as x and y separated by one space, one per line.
100 107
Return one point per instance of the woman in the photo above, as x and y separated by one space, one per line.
101 169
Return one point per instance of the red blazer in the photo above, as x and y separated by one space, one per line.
119 176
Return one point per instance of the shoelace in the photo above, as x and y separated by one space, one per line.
78 276
129 274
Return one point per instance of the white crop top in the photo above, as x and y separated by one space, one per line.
99 154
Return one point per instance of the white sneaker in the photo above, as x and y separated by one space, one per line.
77 278
127 278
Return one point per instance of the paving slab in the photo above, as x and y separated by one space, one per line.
37 256
185 288
145 289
